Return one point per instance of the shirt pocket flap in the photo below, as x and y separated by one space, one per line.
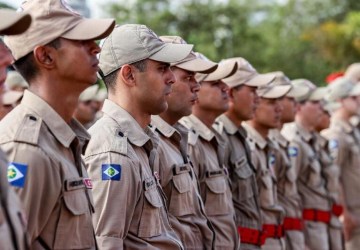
315 166
266 181
242 169
216 185
182 182
76 202
153 197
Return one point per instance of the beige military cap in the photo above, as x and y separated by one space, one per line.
89 94
13 23
53 19
224 70
342 87
353 72
246 74
101 95
14 79
313 93
281 79
10 97
273 91
191 62
131 43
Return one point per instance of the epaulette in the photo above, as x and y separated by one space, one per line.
192 137
29 129
251 143
219 127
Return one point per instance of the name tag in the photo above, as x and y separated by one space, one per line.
179 169
149 183
73 184
215 173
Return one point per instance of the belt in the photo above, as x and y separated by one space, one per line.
337 209
293 224
273 231
251 236
317 215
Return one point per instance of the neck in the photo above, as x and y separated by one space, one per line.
305 124
235 119
208 118
263 131
125 102
170 118
342 114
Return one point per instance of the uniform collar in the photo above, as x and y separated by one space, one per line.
229 126
343 125
65 133
127 124
274 134
200 128
306 135
164 128
321 140
255 136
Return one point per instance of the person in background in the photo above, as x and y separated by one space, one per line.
86 109
14 81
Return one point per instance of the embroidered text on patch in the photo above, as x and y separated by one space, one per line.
16 174
111 172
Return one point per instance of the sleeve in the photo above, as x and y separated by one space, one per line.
116 191
37 182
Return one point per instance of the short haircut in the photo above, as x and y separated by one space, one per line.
26 65
110 79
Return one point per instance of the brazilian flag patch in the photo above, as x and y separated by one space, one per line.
16 174
111 172
292 151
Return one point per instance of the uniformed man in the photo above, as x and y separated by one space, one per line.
242 103
86 108
206 151
267 116
177 177
39 136
12 218
121 156
287 192
344 143
304 157
331 173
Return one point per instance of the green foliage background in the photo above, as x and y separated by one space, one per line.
304 38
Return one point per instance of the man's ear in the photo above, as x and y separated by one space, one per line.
45 56
127 74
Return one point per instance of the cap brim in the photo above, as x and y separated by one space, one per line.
90 29
277 91
318 94
297 91
355 90
223 70
171 53
259 80
11 97
198 65
13 23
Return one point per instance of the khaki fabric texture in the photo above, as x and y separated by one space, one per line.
241 172
264 160
11 204
304 157
287 192
180 185
33 134
207 155
130 212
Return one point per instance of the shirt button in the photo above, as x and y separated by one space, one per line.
120 134
33 118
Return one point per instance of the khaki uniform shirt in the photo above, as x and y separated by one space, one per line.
286 176
304 156
49 175
344 146
207 155
241 172
180 185
12 218
264 159
130 207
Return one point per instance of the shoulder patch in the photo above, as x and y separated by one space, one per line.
333 144
293 151
111 172
272 160
16 174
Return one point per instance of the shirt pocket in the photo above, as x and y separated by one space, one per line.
74 228
150 222
314 177
244 173
216 202
181 200
266 189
